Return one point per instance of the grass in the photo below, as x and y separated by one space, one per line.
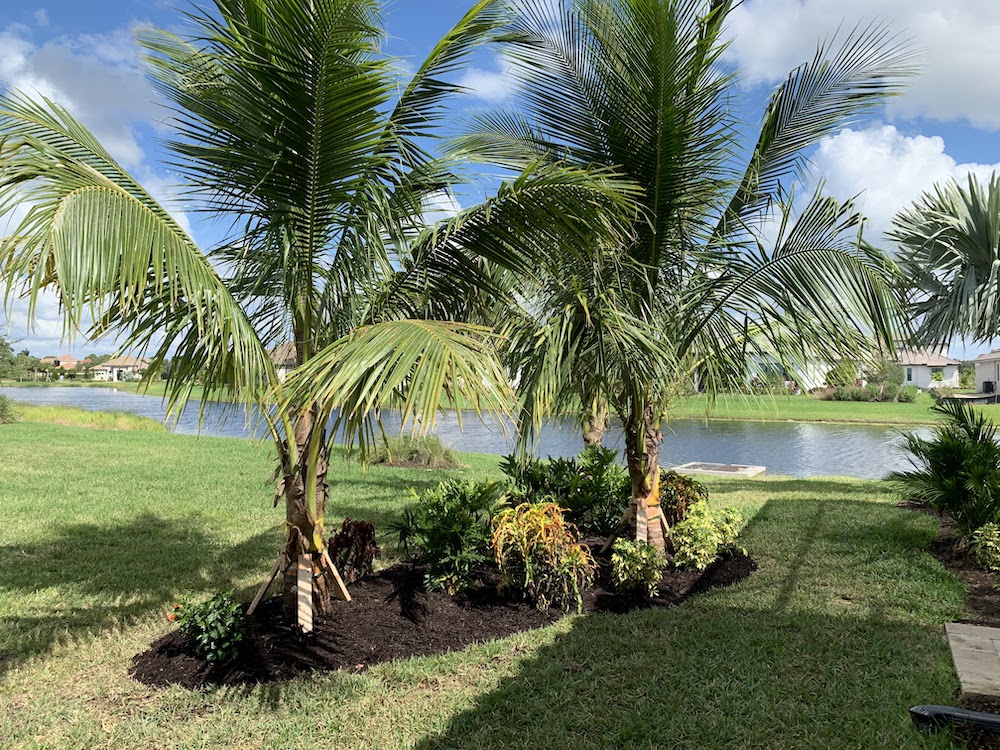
826 646
72 416
804 408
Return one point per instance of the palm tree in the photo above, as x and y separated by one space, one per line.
292 127
949 259
720 271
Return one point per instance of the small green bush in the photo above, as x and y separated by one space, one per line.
593 489
840 393
215 625
540 555
705 534
985 546
908 394
677 494
448 528
874 392
424 451
636 567
856 393
8 415
890 391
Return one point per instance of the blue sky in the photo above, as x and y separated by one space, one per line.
946 125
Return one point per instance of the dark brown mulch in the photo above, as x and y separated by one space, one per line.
982 606
393 616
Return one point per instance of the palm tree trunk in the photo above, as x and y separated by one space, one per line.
306 492
642 454
595 424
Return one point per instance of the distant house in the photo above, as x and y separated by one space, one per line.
120 368
284 358
62 362
926 367
988 372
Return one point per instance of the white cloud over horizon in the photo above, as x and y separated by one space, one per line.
956 40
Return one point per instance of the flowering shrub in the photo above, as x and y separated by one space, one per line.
215 625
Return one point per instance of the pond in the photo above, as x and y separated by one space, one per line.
797 449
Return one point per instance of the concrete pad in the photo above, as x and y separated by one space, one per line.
975 651
719 470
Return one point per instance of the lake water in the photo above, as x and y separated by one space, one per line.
797 449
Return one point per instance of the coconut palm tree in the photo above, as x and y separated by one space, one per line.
294 130
723 268
949 259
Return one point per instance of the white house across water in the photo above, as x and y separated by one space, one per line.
927 368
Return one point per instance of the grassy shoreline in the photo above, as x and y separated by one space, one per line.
825 646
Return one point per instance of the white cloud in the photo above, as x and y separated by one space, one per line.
888 169
491 85
41 17
957 38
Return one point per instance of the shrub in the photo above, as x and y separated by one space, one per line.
890 391
844 372
540 555
957 471
840 393
8 415
704 535
857 393
636 567
215 625
985 546
874 391
885 372
937 376
425 451
677 494
448 528
593 489
908 394
353 549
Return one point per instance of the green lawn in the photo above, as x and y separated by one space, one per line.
804 408
826 646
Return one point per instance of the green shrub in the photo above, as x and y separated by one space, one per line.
424 451
890 391
957 471
353 549
216 626
540 555
985 546
8 415
677 494
937 376
885 372
636 567
840 393
908 394
593 489
874 391
704 535
857 393
844 373
448 529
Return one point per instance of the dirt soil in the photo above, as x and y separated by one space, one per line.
393 616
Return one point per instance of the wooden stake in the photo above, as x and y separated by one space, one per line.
303 595
339 589
278 565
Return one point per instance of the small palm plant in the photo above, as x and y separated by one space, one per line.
957 471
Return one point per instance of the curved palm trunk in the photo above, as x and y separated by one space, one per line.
305 492
642 454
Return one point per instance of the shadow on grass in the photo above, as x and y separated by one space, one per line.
826 646
89 577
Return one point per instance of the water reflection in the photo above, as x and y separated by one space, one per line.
787 448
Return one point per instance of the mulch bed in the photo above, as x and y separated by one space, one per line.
393 616
982 606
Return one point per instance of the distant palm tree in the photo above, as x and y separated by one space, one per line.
719 272
949 258
292 127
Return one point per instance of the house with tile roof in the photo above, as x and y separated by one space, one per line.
120 368
284 358
62 362
927 367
